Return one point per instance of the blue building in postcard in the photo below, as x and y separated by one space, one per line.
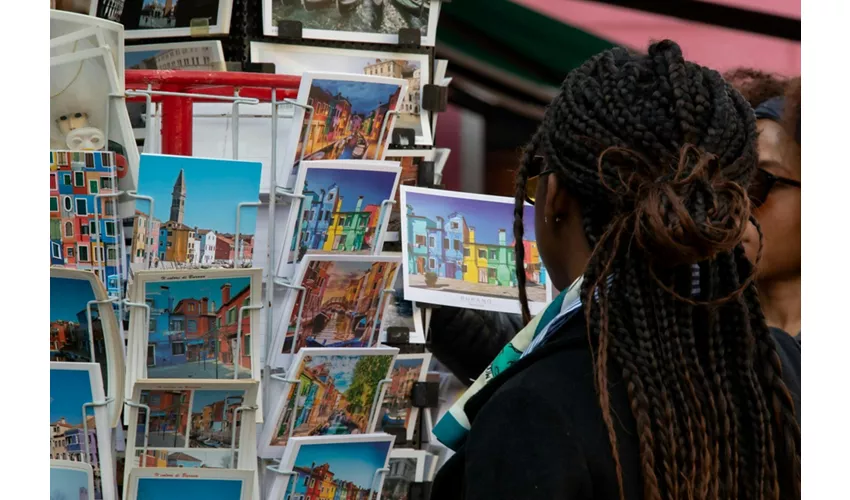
456 234
436 248
417 230
166 338
318 216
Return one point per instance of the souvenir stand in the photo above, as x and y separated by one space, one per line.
122 251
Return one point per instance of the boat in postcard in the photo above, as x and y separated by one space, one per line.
347 6
414 5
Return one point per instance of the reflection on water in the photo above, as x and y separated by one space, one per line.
368 17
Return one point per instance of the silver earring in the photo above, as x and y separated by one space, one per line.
546 219
557 220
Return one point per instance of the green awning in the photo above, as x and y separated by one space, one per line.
513 40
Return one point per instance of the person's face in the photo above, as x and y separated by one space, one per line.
779 216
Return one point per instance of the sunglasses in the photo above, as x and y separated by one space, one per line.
536 171
763 182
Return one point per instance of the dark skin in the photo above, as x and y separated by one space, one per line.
780 219
561 241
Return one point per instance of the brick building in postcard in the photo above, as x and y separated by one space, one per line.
227 322
153 458
169 411
83 226
199 322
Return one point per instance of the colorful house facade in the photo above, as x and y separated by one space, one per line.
83 226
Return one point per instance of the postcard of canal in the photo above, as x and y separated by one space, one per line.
458 250
336 395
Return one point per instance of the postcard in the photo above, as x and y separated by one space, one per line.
406 467
397 410
349 114
343 209
195 56
73 33
84 225
168 18
198 326
71 480
342 304
180 484
374 21
336 395
196 210
191 425
80 110
459 251
410 159
347 465
72 385
412 67
401 313
70 293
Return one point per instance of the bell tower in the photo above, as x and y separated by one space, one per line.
178 199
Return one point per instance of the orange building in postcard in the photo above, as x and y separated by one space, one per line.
227 318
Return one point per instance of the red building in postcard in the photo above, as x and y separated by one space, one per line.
227 319
169 410
199 323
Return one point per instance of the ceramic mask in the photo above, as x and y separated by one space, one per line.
85 139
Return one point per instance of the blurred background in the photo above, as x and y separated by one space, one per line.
507 59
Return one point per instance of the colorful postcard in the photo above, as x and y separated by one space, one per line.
194 223
374 21
406 467
349 114
182 484
336 395
198 327
168 18
343 208
333 467
459 251
195 56
70 480
72 385
397 410
296 59
342 304
84 226
409 159
191 426
82 117
70 293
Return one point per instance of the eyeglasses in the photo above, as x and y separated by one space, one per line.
763 182
535 173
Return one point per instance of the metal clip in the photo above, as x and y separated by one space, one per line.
86 406
147 409
239 339
379 315
377 250
383 131
300 290
89 319
289 474
377 489
237 240
376 403
236 411
149 199
297 384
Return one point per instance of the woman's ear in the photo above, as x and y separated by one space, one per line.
558 202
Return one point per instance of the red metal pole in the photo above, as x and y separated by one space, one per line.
176 125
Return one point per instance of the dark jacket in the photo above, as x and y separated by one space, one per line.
537 430
466 340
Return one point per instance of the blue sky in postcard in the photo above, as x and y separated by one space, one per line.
341 368
68 297
214 189
375 187
203 398
486 217
67 482
198 289
69 390
133 58
181 489
355 462
363 96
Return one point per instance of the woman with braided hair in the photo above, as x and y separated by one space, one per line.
653 374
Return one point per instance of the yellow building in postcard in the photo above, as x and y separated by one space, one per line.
474 260
176 242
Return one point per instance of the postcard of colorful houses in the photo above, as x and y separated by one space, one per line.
80 84
336 394
410 160
343 209
197 425
71 438
195 213
71 480
354 20
84 225
199 325
70 318
397 410
459 251
341 304
406 467
349 112
333 467
181 484
412 67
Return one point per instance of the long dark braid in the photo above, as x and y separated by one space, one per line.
659 152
